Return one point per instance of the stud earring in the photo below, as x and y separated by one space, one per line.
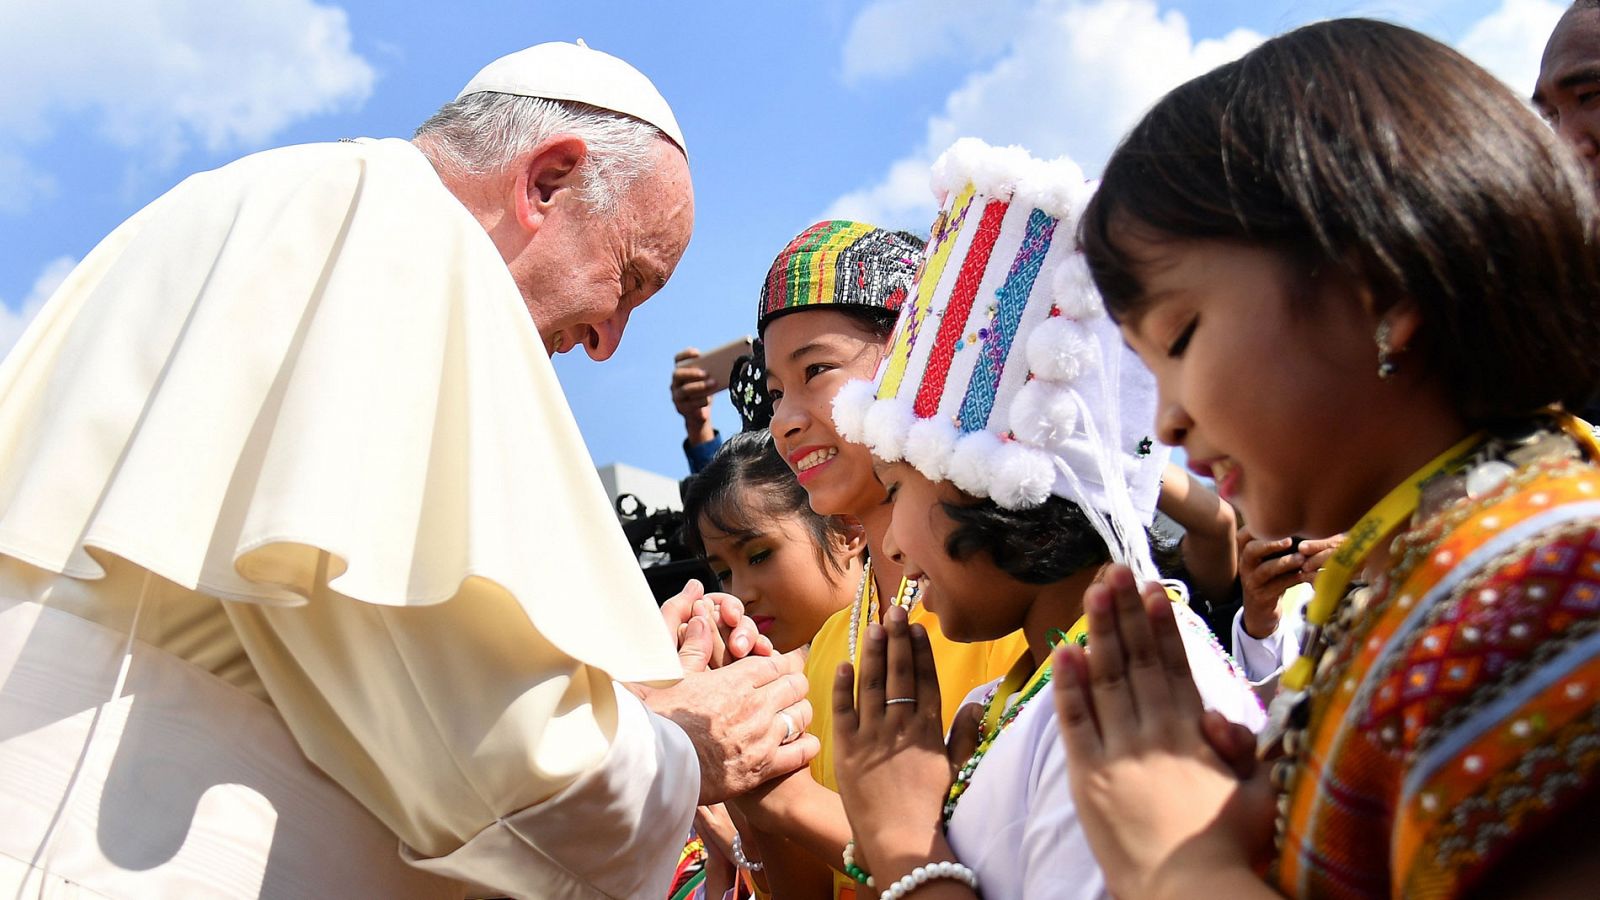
1386 364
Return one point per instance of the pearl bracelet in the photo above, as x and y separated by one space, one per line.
740 860
921 875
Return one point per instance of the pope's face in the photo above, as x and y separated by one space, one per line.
583 273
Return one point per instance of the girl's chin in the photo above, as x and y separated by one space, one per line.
830 500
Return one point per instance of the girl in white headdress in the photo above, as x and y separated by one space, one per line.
1008 427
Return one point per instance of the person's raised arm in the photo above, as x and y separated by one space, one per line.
692 388
1209 524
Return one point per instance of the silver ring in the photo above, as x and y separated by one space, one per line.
790 732
893 700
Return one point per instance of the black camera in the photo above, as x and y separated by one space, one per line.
656 537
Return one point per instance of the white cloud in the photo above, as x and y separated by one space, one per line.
1510 40
894 37
1077 74
1074 78
21 183
14 320
159 76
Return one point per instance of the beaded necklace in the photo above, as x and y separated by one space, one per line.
997 715
867 598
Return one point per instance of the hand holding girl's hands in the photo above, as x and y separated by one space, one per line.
1131 721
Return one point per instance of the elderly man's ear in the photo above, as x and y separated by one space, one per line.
547 177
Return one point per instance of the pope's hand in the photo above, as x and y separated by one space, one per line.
747 720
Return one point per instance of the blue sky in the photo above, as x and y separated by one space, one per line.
792 111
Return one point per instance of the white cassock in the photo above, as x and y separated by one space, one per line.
301 552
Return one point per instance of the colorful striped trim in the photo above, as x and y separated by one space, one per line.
808 277
1012 299
954 322
945 233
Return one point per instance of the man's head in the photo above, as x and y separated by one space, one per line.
1568 90
589 204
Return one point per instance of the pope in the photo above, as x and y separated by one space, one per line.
307 583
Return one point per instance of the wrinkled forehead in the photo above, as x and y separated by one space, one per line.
660 206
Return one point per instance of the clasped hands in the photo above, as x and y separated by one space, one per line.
742 705
1168 793
892 762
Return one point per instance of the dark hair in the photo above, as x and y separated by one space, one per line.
748 481
1368 149
1042 545
751 400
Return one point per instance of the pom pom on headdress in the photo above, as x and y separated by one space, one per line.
929 444
971 461
1073 290
1021 477
885 425
1059 349
850 409
1044 415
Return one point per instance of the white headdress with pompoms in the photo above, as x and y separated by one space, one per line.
1004 375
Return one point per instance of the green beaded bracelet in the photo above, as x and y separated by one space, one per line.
854 871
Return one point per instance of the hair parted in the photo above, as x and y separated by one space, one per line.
747 483
484 132
1388 156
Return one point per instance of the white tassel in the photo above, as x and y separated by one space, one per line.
1043 415
1022 476
1060 349
850 409
1073 290
885 425
929 444
972 461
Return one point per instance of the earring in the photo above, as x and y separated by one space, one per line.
1386 364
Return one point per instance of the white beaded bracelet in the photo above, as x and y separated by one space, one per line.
740 860
921 875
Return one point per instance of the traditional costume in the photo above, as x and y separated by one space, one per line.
301 551
834 264
1441 717
1006 378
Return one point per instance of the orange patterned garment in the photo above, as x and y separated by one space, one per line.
1459 715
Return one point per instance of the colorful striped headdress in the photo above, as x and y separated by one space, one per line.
840 262
1004 374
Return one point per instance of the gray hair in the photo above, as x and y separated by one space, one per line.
484 132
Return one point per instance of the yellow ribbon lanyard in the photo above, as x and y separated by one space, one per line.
1582 432
1359 542
1019 679
1077 634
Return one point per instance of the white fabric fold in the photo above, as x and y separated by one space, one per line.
311 367
640 797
